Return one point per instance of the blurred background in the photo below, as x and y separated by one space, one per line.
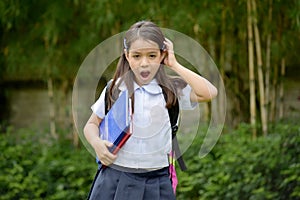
255 45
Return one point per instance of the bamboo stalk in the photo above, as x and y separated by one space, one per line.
281 89
268 62
251 70
261 84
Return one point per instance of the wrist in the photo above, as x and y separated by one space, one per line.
176 67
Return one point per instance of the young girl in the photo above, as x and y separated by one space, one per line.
140 169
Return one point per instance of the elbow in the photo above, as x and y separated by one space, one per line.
210 95
213 92
85 131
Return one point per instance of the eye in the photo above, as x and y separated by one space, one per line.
136 56
152 56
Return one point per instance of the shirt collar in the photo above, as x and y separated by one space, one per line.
152 87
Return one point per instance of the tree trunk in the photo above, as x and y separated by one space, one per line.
273 91
212 51
65 114
281 89
221 93
51 108
223 42
71 122
261 84
268 62
251 69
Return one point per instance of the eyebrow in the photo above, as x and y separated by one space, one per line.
138 52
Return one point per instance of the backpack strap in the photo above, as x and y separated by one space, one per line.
174 119
107 95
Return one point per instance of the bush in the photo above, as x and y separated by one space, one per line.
31 169
36 167
242 168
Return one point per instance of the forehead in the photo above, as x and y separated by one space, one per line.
143 45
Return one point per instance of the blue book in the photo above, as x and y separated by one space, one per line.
115 127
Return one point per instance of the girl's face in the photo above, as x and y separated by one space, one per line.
144 58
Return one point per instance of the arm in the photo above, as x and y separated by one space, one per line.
202 89
91 133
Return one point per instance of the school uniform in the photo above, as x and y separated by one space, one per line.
141 169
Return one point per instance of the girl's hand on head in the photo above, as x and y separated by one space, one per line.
170 59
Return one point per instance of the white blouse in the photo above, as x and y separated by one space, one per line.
150 143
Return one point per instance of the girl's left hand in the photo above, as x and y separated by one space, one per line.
170 59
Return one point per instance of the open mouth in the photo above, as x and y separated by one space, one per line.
145 74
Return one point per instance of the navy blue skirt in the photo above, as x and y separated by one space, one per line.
112 184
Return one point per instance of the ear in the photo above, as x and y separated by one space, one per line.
163 56
126 54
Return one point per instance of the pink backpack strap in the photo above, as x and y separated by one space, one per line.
172 171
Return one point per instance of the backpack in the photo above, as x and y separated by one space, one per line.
174 116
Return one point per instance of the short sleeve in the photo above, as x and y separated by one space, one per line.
99 106
185 99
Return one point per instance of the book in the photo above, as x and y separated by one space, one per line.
116 125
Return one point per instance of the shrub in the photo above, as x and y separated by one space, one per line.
31 169
242 168
36 167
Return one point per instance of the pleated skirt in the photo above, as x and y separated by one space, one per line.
112 184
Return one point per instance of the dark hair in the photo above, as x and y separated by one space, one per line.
145 30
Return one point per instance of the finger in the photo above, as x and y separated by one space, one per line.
169 47
167 44
111 157
167 40
108 144
108 161
108 154
108 158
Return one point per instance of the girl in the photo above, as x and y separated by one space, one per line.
140 169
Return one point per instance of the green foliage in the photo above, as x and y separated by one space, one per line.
51 38
242 168
36 167
31 169
59 34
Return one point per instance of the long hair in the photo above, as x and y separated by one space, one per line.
145 30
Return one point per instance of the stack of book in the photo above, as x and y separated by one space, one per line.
116 127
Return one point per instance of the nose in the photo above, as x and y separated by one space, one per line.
144 61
